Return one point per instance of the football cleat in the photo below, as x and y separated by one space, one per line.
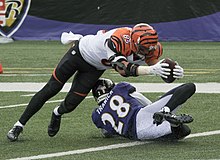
174 120
14 133
54 125
181 131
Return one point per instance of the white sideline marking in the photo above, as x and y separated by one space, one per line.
25 104
20 105
203 134
114 146
24 75
141 87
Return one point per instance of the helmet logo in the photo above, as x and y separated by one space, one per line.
12 15
127 38
152 48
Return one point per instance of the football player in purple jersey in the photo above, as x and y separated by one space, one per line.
125 112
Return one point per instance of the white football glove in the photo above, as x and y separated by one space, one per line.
160 69
178 71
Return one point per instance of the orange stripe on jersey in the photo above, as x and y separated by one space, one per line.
121 39
54 75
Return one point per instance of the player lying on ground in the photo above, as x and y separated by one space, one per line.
123 49
125 112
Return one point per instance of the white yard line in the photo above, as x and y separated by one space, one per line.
20 105
108 147
141 87
27 95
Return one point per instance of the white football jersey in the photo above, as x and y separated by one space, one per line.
94 49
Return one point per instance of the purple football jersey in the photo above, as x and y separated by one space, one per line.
117 112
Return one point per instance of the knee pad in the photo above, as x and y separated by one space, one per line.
71 101
52 86
192 88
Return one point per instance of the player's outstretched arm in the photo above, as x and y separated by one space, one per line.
161 69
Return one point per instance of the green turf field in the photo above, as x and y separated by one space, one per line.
34 61
200 61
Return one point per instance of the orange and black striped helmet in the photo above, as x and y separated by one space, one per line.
143 40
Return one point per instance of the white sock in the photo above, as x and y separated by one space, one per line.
165 109
19 124
55 111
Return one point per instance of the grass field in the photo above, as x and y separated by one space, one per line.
34 61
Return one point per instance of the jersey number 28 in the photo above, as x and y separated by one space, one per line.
121 108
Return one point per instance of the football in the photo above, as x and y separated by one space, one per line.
172 64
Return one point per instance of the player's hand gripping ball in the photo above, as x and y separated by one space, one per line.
172 64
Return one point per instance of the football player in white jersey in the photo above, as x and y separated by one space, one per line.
123 49
123 111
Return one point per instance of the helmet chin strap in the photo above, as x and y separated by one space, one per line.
146 55
141 56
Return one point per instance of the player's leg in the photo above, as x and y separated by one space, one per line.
35 104
146 129
81 86
177 133
180 131
178 127
180 95
173 128
61 74
173 99
38 100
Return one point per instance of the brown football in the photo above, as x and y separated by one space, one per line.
172 64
